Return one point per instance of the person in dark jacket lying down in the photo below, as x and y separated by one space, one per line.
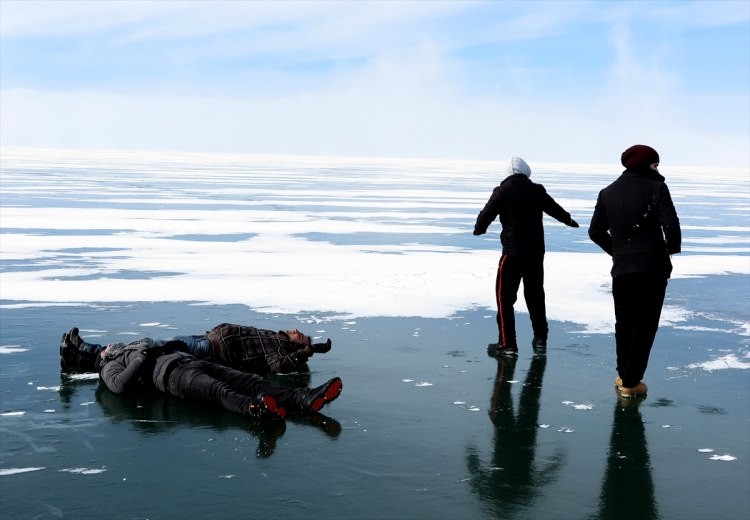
237 346
142 367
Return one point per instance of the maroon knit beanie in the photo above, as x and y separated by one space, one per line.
639 157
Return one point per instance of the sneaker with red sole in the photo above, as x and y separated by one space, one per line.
320 396
266 407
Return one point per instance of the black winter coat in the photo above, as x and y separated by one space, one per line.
520 203
636 223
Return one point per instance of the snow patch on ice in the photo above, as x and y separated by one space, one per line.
83 471
16 471
723 363
12 349
83 377
722 457
579 406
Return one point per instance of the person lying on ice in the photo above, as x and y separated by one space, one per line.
139 367
237 346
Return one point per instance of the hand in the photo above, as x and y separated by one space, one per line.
573 223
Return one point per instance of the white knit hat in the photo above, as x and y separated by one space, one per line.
518 165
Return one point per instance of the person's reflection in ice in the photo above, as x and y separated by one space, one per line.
157 413
627 486
512 479
70 384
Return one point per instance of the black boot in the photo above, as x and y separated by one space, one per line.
77 355
321 348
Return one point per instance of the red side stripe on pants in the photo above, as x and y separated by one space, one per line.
499 300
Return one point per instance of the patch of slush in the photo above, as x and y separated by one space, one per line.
52 388
12 414
423 383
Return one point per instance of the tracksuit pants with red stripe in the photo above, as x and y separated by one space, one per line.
510 272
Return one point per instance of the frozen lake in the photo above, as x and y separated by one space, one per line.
378 255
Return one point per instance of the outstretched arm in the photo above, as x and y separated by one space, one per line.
488 213
119 375
554 210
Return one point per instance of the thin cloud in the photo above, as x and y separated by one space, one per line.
567 81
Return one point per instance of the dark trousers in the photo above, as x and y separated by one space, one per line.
638 301
510 271
232 389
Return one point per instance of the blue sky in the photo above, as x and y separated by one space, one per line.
561 81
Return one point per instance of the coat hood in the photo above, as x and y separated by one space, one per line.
518 165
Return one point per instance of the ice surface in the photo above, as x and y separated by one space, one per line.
142 231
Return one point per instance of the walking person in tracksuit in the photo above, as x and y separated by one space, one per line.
520 203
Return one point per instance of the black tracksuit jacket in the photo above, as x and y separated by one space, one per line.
520 203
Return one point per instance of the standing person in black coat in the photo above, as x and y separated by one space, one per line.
520 204
636 223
